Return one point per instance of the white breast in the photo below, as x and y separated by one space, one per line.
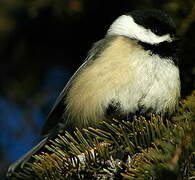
128 74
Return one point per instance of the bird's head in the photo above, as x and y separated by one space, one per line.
147 26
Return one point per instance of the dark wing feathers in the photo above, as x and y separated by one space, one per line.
57 110
56 113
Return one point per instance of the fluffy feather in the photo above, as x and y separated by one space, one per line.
128 74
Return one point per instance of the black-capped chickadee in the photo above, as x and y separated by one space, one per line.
132 70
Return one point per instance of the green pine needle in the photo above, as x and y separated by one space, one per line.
143 149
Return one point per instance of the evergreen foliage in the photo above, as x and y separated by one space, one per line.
143 149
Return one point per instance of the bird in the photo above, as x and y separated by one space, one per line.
132 71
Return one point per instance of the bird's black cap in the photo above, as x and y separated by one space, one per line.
155 20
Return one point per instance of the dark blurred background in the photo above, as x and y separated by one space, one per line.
42 42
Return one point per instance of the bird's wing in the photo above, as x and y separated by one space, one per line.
57 111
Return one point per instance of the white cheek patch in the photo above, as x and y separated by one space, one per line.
126 26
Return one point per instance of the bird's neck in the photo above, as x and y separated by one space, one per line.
164 49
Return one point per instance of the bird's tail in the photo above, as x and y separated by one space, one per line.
20 163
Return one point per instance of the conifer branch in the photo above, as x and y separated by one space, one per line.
143 149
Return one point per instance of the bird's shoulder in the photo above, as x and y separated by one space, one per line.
56 113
